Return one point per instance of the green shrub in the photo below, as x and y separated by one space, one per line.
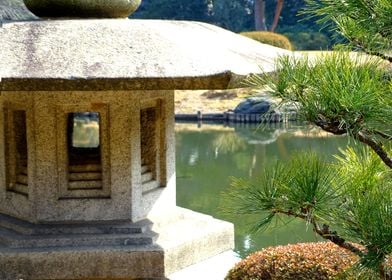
270 38
311 261
309 40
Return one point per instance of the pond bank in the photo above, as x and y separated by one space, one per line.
241 118
219 105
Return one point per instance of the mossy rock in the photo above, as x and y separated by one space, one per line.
82 8
270 38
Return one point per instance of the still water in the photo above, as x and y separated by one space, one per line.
208 155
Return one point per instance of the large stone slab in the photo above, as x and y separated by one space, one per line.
185 237
126 54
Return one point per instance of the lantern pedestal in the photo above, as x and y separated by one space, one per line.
104 251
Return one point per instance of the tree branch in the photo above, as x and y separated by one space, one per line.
380 55
376 147
383 135
324 232
375 53
336 128
332 236
290 213
333 127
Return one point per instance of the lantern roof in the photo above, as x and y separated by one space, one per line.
124 54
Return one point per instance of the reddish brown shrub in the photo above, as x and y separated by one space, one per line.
310 261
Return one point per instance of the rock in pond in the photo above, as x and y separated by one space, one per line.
254 105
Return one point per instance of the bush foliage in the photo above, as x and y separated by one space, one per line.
309 40
270 38
310 261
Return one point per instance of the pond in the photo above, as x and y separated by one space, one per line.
208 155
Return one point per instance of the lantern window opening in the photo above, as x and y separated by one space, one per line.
17 150
151 133
84 151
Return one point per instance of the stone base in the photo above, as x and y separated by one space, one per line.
215 268
184 238
192 237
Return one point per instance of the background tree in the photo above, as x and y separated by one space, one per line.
259 15
349 200
243 15
175 10
234 15
278 11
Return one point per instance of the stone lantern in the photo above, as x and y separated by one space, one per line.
102 205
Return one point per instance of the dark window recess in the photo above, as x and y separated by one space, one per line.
84 151
20 129
16 135
149 149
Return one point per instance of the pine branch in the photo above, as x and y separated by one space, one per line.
333 127
337 129
332 236
383 135
324 232
378 54
376 147
361 46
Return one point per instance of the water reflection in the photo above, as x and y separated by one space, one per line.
209 155
85 129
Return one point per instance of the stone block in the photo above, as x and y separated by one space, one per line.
183 237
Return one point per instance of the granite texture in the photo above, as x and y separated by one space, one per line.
59 229
82 263
122 54
116 232
49 196
185 237
82 8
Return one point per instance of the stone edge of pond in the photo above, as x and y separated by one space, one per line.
230 116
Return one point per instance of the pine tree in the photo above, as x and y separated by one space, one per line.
348 201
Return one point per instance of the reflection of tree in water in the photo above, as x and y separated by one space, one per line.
258 136
243 136
85 131
228 143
